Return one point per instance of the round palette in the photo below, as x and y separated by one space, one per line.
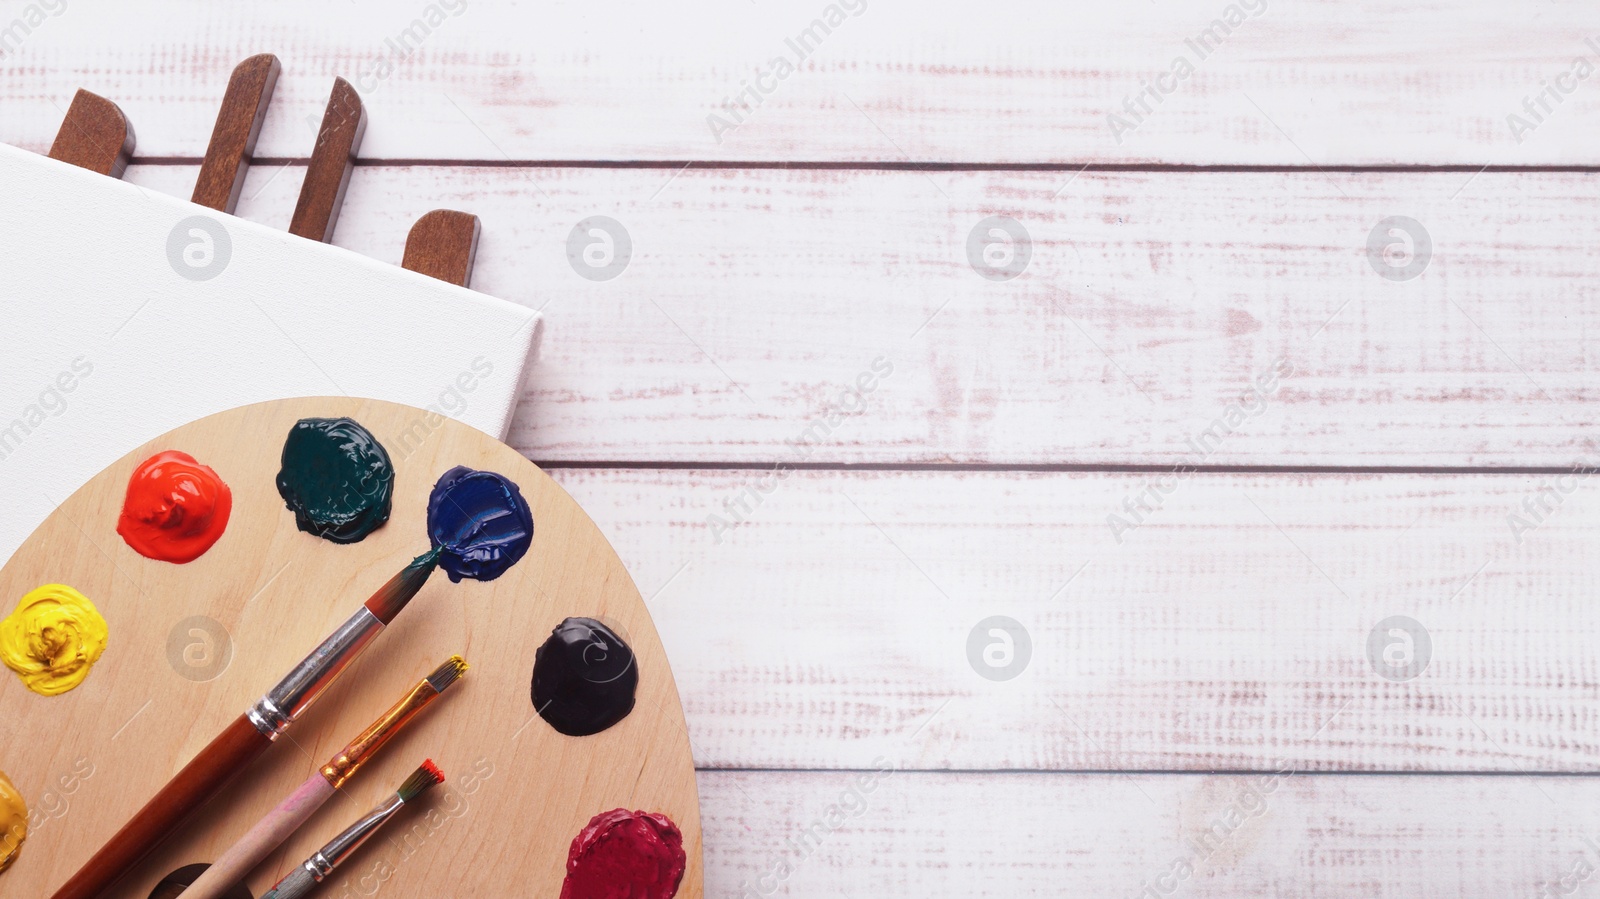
191 645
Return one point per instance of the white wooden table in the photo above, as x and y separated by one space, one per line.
1218 631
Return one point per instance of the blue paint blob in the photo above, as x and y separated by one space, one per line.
480 523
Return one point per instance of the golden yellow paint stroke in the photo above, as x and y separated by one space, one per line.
52 639
13 822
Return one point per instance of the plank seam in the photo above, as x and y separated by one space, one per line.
1053 467
902 166
1153 772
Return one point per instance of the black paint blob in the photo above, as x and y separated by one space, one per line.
336 478
584 678
183 878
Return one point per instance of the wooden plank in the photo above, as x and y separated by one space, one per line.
234 136
94 135
1289 84
1008 835
344 124
443 244
1230 628
1151 303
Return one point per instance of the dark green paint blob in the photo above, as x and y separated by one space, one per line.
336 478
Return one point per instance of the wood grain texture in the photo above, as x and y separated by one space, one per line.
236 862
344 124
234 136
1151 302
517 791
229 754
94 135
1306 83
1008 835
1229 629
443 244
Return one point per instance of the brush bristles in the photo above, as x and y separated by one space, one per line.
447 674
421 781
300 882
392 597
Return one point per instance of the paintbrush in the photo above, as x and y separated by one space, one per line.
242 857
248 736
314 870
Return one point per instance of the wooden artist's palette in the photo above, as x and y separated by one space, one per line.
516 793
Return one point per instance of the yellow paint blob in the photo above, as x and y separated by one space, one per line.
13 822
52 639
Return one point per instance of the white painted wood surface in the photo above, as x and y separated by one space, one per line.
1298 83
1151 302
986 835
1228 630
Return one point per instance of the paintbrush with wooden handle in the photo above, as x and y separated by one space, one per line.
247 737
314 870
298 807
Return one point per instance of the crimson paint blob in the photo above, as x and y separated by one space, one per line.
625 855
175 509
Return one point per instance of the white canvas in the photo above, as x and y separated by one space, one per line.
124 318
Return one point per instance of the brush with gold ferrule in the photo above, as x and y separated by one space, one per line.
243 741
276 826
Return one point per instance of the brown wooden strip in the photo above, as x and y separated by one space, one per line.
344 123
95 135
443 244
233 138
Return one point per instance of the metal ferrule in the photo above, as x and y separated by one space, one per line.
340 847
273 713
363 747
318 867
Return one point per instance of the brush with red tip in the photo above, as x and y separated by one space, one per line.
243 741
302 880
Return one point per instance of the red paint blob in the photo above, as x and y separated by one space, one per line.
625 855
175 508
